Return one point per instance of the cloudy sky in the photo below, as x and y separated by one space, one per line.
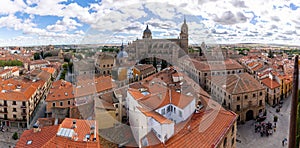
44 22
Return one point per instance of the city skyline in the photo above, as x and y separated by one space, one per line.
33 22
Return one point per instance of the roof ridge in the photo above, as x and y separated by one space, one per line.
236 83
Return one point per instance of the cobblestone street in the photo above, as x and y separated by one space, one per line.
250 139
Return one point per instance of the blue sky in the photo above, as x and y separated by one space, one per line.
44 22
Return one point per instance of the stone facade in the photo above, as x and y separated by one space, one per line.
240 93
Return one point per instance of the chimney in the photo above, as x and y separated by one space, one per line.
36 128
92 129
159 96
74 124
170 95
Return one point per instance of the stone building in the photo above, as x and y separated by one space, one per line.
240 93
199 70
105 63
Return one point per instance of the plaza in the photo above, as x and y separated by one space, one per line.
249 139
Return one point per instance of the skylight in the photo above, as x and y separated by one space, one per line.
29 142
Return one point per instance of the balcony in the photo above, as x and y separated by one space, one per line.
23 106
23 114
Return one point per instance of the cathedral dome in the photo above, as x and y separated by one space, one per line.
122 53
147 30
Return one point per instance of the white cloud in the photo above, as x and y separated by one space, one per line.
66 24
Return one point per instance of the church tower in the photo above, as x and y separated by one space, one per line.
184 35
147 33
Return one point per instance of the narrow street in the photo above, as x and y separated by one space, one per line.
40 112
250 139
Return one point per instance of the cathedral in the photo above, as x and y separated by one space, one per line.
169 49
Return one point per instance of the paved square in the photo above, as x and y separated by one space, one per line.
250 139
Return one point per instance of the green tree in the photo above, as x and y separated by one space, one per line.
15 136
36 56
47 54
271 54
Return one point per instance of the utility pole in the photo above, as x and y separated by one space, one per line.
293 115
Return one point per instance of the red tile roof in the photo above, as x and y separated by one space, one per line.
48 137
237 83
270 83
38 139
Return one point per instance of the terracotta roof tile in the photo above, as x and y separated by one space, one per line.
237 83
270 83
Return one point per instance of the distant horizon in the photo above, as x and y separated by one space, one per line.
119 44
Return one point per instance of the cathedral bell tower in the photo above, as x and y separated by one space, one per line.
184 41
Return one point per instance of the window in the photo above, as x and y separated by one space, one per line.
169 108
23 103
205 74
103 65
232 130
246 97
232 141
174 110
180 114
53 104
254 95
14 116
107 65
225 142
260 93
61 103
238 98
24 110
14 103
14 110
24 117
260 102
163 111
112 65
69 102
238 107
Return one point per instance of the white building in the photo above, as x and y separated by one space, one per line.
155 109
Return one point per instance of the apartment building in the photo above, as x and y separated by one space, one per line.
61 96
272 90
18 101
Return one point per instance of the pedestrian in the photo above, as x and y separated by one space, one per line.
274 129
282 142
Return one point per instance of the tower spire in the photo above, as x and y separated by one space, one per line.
184 19
122 47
